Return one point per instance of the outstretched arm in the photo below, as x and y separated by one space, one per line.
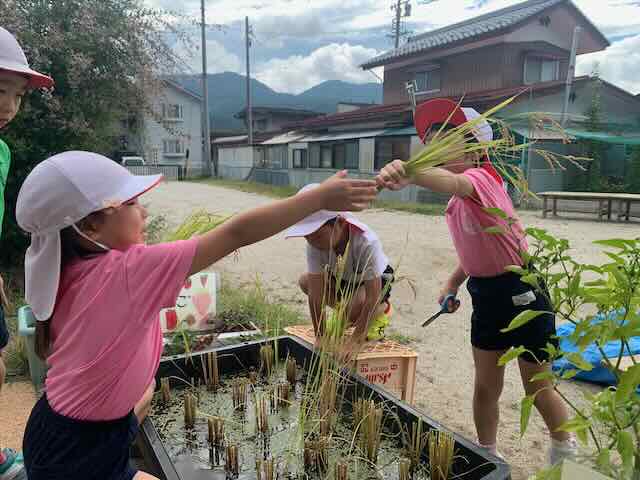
337 193
394 177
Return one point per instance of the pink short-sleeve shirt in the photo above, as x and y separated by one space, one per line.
483 254
106 336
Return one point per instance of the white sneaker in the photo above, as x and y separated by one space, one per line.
562 449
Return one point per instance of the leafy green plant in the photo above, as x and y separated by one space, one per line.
603 302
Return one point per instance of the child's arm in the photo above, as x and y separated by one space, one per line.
315 295
372 291
336 193
452 286
393 176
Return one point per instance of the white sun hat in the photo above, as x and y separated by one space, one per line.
13 59
59 192
313 222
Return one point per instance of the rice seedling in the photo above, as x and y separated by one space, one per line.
341 471
210 371
441 450
216 431
327 403
292 370
262 414
418 442
368 419
283 394
190 403
404 469
231 466
253 376
267 466
197 223
315 455
165 390
239 393
259 467
266 360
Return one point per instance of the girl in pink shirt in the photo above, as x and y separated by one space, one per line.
497 295
97 290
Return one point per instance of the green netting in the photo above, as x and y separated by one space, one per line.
604 137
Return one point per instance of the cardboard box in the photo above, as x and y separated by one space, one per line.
384 363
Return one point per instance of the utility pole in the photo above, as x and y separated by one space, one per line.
402 10
249 115
205 96
570 73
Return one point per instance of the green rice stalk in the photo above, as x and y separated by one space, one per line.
418 444
266 359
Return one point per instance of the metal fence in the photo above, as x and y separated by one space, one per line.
170 172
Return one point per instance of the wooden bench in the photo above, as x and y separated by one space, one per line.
605 202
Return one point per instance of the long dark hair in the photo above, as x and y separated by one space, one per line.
71 249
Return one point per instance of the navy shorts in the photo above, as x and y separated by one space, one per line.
56 447
496 302
4 331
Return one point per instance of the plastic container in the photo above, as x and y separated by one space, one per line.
27 330
384 363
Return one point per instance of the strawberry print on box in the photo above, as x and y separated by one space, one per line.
195 307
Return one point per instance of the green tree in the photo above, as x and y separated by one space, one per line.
105 56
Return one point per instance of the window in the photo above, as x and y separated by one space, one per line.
427 82
326 156
276 156
299 158
173 147
334 155
172 112
540 70
391 148
261 124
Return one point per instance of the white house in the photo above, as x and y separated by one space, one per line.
172 133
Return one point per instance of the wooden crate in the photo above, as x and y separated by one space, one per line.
384 363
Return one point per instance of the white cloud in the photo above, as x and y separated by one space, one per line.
218 58
331 62
618 64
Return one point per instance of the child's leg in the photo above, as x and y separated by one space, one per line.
489 380
548 402
143 407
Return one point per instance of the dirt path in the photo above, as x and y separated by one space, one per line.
16 401
421 246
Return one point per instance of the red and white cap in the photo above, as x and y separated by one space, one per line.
13 59
313 222
441 110
59 192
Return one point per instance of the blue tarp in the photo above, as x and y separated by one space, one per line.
591 354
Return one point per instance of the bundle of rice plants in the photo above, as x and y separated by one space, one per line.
441 450
197 223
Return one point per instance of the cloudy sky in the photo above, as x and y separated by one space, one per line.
300 43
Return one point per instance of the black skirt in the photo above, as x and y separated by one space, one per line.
56 447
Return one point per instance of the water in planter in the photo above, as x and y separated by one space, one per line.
249 427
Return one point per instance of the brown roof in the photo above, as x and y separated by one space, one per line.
378 112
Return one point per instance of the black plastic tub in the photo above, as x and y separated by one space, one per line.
471 463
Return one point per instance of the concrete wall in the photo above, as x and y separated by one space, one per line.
188 130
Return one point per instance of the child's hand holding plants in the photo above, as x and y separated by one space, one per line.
339 193
393 176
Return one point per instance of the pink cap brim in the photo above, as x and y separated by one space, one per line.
35 79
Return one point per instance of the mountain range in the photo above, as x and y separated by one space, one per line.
227 96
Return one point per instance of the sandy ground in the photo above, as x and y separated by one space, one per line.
420 248
16 401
